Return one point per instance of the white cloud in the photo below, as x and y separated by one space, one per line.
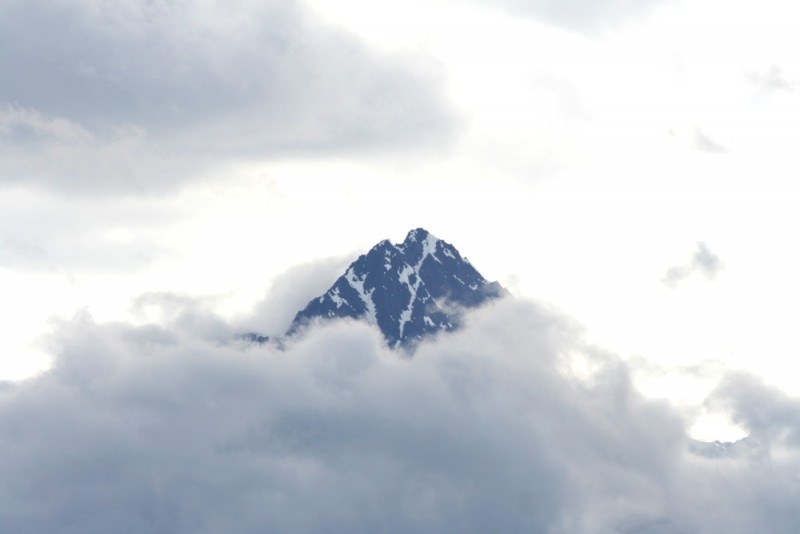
772 79
289 293
44 233
703 142
581 15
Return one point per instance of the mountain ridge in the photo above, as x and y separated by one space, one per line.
409 290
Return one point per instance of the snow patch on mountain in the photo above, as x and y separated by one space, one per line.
366 296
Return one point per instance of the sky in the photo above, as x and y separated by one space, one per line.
174 172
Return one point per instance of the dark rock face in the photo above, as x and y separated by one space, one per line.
408 290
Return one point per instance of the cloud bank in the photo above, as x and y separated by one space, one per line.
155 429
139 95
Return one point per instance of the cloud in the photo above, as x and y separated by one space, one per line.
580 15
189 315
44 233
290 292
703 261
706 144
772 79
137 95
153 429
772 417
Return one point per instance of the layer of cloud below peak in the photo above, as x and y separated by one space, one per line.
155 429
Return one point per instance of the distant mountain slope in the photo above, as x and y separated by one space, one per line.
408 290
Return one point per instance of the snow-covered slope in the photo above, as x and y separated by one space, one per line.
408 290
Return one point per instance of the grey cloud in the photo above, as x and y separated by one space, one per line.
771 79
706 144
581 15
38 149
703 261
771 416
152 429
137 86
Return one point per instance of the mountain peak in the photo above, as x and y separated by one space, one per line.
417 234
408 290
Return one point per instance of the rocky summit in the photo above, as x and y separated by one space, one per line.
410 290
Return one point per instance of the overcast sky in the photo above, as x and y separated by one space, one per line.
172 173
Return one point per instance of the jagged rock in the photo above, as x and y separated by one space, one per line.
408 291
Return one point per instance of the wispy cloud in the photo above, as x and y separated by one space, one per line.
772 78
703 261
581 15
705 143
